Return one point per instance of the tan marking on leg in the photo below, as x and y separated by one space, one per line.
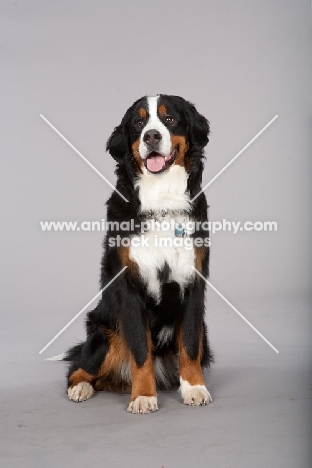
80 376
143 378
143 393
190 369
117 353
112 375
193 389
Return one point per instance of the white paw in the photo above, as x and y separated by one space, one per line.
194 395
81 392
143 405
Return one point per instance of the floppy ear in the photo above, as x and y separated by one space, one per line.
117 144
198 127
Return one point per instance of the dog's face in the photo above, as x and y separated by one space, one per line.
159 132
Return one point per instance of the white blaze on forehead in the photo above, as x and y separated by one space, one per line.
152 108
154 123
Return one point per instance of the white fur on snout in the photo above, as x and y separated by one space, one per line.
154 123
143 405
80 392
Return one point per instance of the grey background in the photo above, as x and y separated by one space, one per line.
81 64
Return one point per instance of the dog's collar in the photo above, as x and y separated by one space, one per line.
159 214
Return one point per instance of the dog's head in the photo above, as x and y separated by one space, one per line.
159 132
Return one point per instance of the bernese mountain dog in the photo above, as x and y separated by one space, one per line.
147 332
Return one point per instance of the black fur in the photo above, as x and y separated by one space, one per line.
125 306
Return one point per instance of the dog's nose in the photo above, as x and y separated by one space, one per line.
152 137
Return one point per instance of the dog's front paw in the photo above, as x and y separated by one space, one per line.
143 405
194 395
80 392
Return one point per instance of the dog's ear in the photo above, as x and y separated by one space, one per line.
198 127
117 144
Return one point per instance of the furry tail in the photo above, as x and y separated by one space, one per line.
59 357
72 354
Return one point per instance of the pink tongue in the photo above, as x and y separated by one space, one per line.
155 163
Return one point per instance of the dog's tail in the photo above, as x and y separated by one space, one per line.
72 354
59 357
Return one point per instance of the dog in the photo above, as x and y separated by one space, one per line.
148 331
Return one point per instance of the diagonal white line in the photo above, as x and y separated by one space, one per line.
235 157
235 310
83 157
82 310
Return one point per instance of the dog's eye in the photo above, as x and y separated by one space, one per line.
169 119
139 123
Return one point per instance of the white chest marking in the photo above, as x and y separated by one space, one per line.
166 191
162 248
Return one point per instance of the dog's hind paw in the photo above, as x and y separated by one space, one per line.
143 405
80 392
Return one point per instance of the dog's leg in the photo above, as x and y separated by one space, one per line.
135 332
143 392
83 372
80 385
193 388
191 342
